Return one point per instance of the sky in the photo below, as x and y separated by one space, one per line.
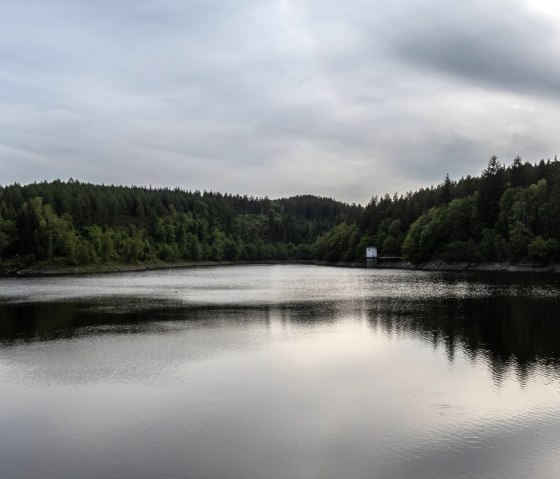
276 97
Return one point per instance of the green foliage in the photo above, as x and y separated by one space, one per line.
338 244
78 223
544 250
191 250
507 214
491 187
107 247
491 218
167 253
232 251
7 233
433 233
519 239
4 242
411 249
488 244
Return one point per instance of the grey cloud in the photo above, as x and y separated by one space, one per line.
272 97
502 48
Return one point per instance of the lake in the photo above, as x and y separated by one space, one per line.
282 371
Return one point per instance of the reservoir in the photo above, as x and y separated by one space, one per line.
280 372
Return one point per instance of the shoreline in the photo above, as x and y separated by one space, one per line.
14 270
435 265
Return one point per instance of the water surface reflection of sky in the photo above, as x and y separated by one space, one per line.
280 371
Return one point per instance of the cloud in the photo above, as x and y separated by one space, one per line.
505 49
274 97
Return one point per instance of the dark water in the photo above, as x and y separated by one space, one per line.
280 372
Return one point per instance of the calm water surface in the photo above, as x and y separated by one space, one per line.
280 372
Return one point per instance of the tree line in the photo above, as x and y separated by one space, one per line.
508 213
81 223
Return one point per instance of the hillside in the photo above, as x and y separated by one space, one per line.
80 223
507 214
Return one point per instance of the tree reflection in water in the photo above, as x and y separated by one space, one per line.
519 332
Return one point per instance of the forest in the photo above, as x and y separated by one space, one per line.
76 223
509 213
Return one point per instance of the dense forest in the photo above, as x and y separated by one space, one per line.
508 213
80 223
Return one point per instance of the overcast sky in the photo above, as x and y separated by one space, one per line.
276 97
